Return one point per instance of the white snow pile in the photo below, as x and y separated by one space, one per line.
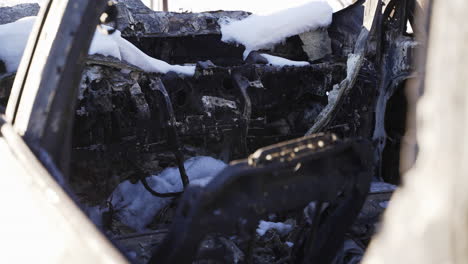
14 36
136 207
259 32
278 61
13 39
282 228
116 46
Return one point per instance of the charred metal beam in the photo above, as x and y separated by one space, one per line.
242 84
396 67
169 121
371 20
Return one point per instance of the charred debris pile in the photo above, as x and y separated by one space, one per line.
227 110
131 124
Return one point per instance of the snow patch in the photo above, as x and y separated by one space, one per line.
256 31
136 207
202 182
13 39
118 47
14 36
351 63
382 187
105 44
278 61
282 228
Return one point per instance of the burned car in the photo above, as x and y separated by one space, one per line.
180 164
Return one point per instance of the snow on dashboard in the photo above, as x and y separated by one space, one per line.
116 46
281 228
259 32
280 62
14 36
255 32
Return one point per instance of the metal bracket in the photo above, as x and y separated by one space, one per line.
167 114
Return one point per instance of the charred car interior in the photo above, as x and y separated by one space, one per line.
244 161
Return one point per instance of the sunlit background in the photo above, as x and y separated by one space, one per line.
254 6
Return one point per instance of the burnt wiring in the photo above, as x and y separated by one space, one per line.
143 180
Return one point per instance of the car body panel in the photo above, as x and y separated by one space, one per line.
40 222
